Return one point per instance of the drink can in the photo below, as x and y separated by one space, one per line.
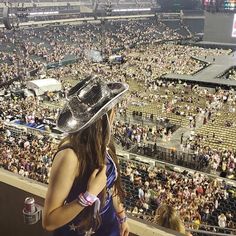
29 205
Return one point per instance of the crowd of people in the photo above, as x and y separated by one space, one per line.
59 43
194 196
198 109
25 55
26 111
139 67
28 155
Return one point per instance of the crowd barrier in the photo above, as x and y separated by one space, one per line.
170 166
17 130
61 63
177 157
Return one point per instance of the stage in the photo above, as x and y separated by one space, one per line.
211 74
209 44
219 32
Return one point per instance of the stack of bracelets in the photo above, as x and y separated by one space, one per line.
86 199
121 220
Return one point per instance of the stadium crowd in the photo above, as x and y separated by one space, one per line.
27 155
195 196
59 43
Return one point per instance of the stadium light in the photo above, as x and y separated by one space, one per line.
132 10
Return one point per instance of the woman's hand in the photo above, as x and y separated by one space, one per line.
124 229
97 181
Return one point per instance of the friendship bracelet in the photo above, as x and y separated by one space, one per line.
122 220
90 198
81 202
93 199
86 199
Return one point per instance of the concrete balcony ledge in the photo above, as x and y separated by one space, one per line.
14 190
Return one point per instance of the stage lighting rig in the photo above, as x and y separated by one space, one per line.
13 15
108 8
21 11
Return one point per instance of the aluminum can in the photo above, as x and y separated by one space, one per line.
29 206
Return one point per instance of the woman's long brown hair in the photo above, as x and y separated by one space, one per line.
90 146
166 216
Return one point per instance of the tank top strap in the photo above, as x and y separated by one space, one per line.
62 148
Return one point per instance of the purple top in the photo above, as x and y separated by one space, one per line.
111 173
77 188
107 212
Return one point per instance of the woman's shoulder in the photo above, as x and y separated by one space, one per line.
65 146
65 160
66 150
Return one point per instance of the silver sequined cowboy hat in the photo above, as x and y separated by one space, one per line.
88 101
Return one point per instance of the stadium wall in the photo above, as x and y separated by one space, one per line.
15 189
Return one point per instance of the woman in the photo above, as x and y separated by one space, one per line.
84 192
166 216
222 220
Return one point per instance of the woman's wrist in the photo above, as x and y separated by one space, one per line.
122 220
86 199
121 216
91 192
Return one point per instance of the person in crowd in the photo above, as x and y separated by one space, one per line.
167 217
222 220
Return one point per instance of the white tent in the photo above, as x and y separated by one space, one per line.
44 85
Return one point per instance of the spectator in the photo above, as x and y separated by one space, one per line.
222 220
167 217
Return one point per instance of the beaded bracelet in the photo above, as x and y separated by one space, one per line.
83 201
86 199
122 220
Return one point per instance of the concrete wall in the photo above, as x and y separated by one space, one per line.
11 218
14 190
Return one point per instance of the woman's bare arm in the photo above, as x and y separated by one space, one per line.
64 170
